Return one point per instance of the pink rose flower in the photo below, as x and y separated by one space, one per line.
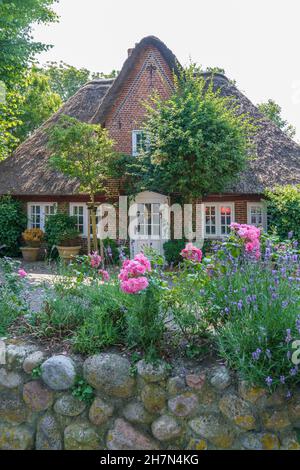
22 273
192 253
104 274
134 285
95 259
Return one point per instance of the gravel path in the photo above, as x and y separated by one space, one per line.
41 276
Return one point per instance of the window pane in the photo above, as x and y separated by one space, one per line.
210 220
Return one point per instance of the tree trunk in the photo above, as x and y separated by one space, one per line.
94 225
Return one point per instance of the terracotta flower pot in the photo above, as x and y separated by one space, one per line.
30 253
68 252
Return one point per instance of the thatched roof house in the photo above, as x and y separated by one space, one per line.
117 105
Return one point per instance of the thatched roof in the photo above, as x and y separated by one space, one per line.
27 172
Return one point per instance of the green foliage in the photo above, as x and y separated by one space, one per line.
38 104
17 50
12 223
272 111
172 249
199 141
36 373
82 151
284 210
66 79
82 390
59 228
12 288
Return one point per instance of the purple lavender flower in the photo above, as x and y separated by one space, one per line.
256 354
288 337
288 394
289 354
290 234
298 323
284 304
269 381
293 371
295 258
268 353
240 305
226 310
282 379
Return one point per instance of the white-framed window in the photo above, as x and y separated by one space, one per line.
257 214
140 142
217 218
38 212
81 213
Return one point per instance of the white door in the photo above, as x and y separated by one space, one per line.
148 223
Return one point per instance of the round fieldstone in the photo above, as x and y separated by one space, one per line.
16 437
48 436
184 405
196 381
152 373
16 354
238 411
176 385
59 372
220 378
166 428
260 441
123 436
251 393
12 407
81 436
32 361
36 396
67 405
276 420
136 413
153 398
100 412
9 379
213 428
109 373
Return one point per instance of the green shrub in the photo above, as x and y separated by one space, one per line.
172 249
12 301
254 306
12 223
58 227
284 210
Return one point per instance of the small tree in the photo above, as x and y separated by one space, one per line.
83 151
199 141
273 111
284 210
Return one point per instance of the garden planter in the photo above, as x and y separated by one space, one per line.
68 252
29 253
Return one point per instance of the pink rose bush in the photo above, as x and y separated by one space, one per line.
104 275
132 274
250 235
95 259
192 253
22 273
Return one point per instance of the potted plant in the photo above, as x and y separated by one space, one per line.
62 234
69 244
33 238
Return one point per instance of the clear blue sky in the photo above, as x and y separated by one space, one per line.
255 41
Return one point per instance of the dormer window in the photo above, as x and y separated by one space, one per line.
140 142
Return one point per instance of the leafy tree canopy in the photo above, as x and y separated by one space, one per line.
38 104
83 151
198 141
66 79
284 210
17 50
272 111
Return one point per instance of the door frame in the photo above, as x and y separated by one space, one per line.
148 197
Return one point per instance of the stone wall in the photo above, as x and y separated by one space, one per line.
135 406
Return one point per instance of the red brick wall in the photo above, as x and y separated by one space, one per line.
128 112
